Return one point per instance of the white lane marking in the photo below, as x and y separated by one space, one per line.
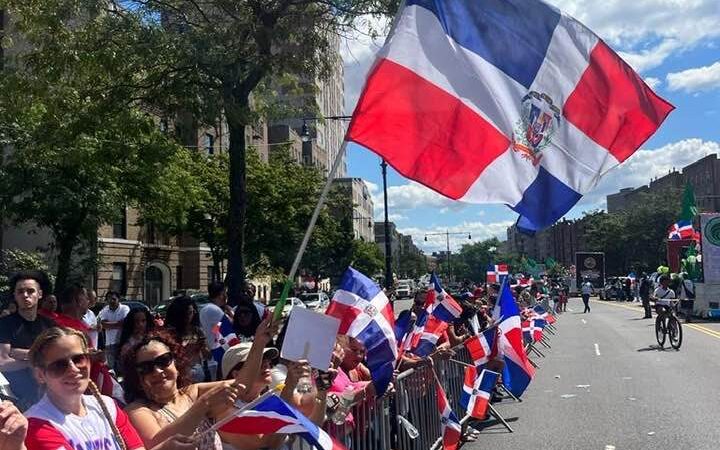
609 447
583 320
571 310
597 349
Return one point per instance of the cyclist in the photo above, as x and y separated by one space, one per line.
664 296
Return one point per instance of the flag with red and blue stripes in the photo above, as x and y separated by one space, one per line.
444 307
539 107
366 315
273 415
518 371
477 390
451 428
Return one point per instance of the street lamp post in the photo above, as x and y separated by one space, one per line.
305 137
388 247
447 235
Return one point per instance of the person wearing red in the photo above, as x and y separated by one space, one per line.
74 303
65 418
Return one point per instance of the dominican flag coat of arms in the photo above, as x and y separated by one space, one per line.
503 101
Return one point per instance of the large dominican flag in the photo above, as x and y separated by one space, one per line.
366 314
539 106
273 415
518 371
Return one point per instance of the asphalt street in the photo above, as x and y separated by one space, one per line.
605 385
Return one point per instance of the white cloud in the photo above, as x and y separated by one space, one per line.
650 58
696 79
395 217
648 31
479 231
358 51
653 82
410 196
372 187
644 165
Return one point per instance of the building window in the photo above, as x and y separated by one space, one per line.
208 143
178 277
120 226
118 283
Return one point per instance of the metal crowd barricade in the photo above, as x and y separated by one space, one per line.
452 375
416 402
370 428
408 419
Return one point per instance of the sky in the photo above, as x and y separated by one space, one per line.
673 44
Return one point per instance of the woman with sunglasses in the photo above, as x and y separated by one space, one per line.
234 361
164 403
65 418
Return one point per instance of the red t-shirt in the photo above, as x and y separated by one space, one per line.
70 322
51 429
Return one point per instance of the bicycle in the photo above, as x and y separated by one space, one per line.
667 324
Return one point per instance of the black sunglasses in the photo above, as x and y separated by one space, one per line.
58 368
161 362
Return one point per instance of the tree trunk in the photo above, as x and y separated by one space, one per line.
238 203
65 246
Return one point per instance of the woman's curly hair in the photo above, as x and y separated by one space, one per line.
131 382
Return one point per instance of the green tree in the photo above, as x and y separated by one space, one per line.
633 239
14 260
76 156
212 59
473 259
206 203
412 265
367 258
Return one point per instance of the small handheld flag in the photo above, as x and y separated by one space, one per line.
366 315
444 307
451 427
518 371
273 415
477 390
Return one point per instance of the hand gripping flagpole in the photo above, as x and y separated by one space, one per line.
236 412
277 315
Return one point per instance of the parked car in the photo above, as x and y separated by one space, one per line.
403 291
201 299
316 301
291 303
135 304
